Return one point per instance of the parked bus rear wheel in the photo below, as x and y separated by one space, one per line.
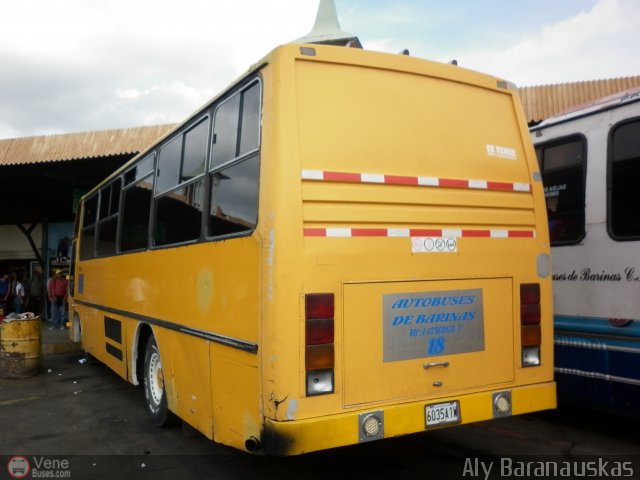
154 391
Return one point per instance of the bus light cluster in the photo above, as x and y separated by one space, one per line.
319 335
530 324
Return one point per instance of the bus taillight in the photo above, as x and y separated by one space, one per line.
319 335
530 314
318 305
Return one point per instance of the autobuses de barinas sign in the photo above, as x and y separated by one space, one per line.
418 325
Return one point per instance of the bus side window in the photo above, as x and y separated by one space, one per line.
108 219
88 233
234 198
169 165
563 176
181 164
136 210
179 214
624 200
195 151
225 132
235 164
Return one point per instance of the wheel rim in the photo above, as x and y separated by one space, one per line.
156 378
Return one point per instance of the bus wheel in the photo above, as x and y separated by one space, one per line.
154 391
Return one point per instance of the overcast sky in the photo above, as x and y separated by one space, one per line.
81 65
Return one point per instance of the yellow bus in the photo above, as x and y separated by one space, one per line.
341 247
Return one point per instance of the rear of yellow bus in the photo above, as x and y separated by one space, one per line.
406 267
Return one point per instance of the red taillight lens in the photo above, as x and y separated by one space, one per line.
530 304
530 293
318 305
319 358
530 314
319 331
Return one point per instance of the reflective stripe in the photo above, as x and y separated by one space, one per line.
597 375
378 178
401 232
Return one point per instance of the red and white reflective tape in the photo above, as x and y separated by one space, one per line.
418 232
323 176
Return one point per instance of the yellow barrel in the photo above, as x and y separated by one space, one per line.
19 347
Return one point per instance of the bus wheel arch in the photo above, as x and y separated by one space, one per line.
155 393
140 339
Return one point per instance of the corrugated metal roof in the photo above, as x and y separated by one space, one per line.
544 101
76 146
593 107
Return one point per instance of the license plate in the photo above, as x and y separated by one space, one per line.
438 414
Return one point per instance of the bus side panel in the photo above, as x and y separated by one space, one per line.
189 370
102 337
92 339
235 396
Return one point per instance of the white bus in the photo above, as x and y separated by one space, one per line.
590 163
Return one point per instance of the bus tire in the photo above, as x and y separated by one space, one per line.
154 392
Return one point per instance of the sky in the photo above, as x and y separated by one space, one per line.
77 65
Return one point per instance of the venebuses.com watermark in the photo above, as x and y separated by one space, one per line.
20 466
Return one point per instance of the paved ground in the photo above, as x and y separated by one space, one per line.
56 341
87 416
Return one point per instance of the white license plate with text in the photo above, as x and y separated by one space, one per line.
438 414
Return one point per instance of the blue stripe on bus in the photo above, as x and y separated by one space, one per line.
595 326
578 356
597 364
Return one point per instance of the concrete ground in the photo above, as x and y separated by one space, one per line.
57 341
85 415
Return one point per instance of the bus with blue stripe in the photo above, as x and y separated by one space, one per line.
590 164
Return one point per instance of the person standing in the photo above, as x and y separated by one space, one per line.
9 300
20 296
35 293
58 297
4 292
49 295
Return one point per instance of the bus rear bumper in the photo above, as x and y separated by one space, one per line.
296 437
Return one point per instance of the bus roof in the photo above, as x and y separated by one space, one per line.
341 55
